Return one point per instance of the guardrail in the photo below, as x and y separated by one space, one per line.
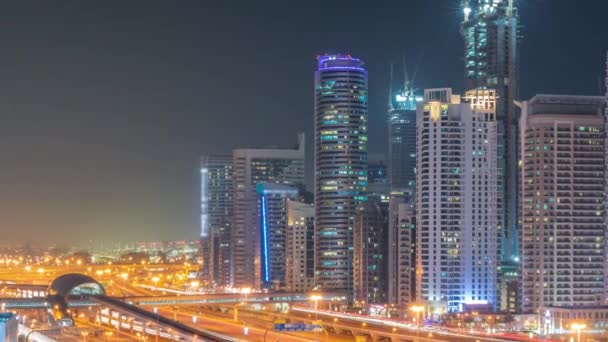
186 332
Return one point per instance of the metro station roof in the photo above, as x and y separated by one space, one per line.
75 284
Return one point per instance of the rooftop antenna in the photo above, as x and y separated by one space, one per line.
390 89
466 8
606 85
510 8
407 84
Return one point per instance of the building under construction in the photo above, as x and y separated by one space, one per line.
491 36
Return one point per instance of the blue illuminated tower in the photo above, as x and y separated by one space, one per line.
490 30
250 167
340 165
273 222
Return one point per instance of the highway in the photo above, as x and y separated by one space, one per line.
334 328
260 321
139 284
225 325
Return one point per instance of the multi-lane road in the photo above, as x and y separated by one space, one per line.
250 325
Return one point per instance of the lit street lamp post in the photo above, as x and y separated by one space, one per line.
157 325
316 298
578 327
417 309
246 292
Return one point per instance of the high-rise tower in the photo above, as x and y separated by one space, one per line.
563 202
273 200
456 197
370 257
402 137
216 216
340 164
490 31
401 255
299 247
251 166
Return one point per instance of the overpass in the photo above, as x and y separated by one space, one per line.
134 318
80 291
208 299
41 303
216 299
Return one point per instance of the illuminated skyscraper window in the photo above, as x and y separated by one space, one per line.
340 164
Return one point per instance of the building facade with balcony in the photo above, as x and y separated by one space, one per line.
300 247
563 201
456 201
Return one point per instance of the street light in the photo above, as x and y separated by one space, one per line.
316 298
246 292
578 327
417 309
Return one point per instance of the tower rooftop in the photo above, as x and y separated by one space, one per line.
339 61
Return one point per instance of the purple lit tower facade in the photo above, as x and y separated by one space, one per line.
340 165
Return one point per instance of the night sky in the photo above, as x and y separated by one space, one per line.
106 106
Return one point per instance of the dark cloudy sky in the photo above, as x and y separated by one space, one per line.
107 105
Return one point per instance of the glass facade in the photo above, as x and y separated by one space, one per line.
490 32
252 166
340 165
216 213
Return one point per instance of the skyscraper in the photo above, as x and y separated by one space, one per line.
216 216
299 250
340 164
402 137
456 197
401 211
563 201
273 200
370 257
251 166
401 255
490 31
